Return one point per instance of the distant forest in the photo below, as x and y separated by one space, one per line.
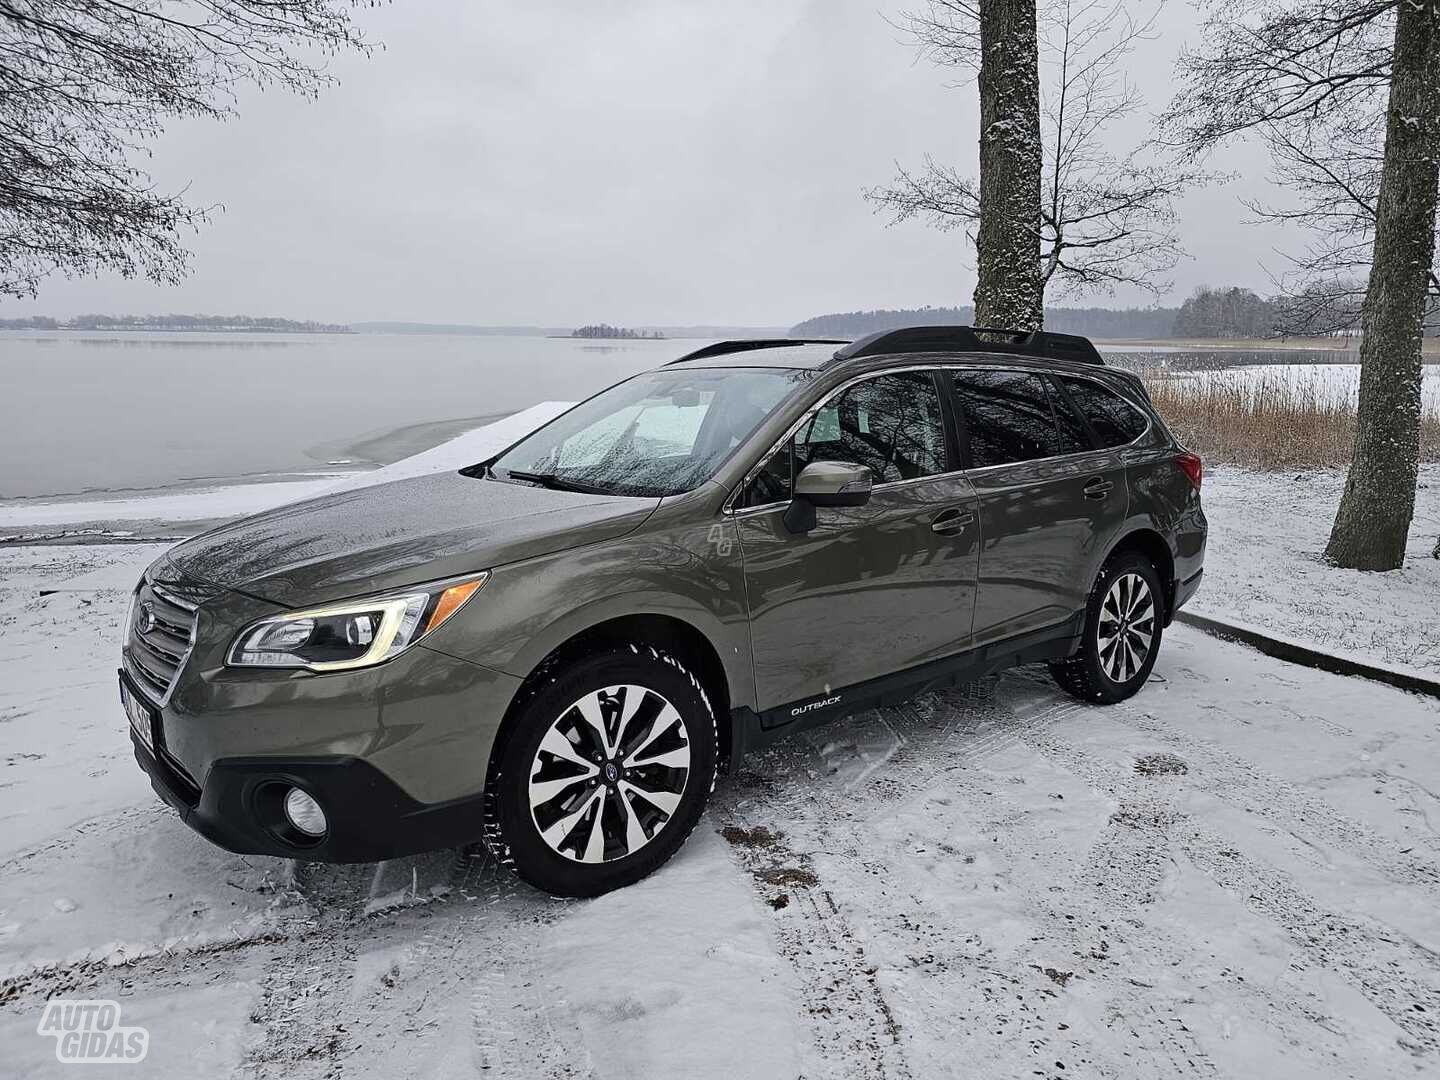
252 323
1093 322
1208 313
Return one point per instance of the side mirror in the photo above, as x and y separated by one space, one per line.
826 483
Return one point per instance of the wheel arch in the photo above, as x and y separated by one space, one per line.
667 633
1149 543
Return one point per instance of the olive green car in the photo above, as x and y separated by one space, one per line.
556 650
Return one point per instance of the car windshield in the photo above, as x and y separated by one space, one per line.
657 434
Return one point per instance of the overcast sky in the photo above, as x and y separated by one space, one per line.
637 162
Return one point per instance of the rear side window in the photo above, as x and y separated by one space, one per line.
1113 419
1009 416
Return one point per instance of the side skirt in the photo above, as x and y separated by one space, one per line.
754 731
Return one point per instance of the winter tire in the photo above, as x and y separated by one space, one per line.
1123 625
607 773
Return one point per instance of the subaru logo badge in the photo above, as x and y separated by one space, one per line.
146 622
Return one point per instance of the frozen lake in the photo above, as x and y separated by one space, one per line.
86 411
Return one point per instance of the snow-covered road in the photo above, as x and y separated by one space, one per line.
1237 874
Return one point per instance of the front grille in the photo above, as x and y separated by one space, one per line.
158 639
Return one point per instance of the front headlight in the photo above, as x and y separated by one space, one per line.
350 635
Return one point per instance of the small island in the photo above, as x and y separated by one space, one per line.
605 330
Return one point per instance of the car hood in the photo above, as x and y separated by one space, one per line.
399 534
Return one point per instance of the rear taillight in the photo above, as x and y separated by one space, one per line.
1193 468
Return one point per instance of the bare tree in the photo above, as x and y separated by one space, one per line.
1305 73
1325 305
1105 218
85 84
1329 159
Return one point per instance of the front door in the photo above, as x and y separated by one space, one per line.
1050 501
871 590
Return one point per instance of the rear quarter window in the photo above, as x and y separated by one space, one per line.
1113 419
1010 416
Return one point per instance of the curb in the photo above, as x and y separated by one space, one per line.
1293 652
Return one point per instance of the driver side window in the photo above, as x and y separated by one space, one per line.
892 424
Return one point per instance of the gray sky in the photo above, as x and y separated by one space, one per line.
645 161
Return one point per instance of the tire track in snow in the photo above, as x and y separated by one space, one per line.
1401 978
74 834
302 1007
466 989
935 741
1080 919
854 1028
1291 807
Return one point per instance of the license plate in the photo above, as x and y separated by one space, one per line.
139 714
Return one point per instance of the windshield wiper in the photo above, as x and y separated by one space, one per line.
550 480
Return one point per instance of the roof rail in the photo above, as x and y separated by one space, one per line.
724 348
910 339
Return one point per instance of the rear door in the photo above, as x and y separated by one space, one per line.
1050 500
871 590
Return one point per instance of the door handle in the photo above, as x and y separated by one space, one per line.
951 521
1098 488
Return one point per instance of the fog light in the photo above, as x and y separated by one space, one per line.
304 813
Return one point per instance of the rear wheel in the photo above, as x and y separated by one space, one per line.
1122 633
608 772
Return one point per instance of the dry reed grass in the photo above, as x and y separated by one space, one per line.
1270 420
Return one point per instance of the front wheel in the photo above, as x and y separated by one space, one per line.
1122 633
608 772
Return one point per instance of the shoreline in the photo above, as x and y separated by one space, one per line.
173 511
357 455
1430 347
385 446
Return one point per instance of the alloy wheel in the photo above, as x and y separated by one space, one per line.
609 774
1126 627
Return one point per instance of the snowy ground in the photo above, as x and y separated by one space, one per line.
1263 568
1236 874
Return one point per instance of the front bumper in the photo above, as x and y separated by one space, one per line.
396 754
370 818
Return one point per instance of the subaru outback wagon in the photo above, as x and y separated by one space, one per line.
556 650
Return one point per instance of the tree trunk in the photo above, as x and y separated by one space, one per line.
1008 291
1374 517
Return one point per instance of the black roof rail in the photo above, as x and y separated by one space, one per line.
910 339
724 348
